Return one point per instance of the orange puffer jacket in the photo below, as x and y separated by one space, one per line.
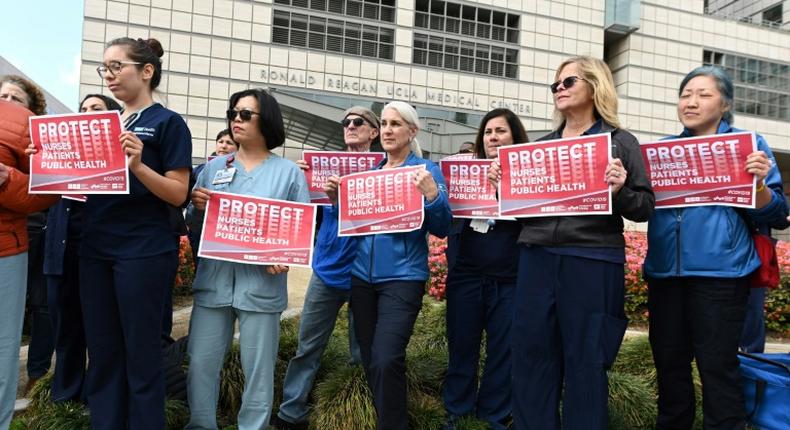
15 202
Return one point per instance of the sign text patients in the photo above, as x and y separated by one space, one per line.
530 173
56 139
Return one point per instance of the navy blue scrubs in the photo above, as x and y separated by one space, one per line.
128 259
481 285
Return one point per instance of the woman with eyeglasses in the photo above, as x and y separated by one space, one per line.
568 314
225 292
61 268
129 254
482 261
697 267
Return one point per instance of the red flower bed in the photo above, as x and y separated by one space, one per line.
777 303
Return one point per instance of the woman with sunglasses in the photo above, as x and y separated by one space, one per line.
568 313
224 291
697 267
129 250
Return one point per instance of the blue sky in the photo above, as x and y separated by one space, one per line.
43 39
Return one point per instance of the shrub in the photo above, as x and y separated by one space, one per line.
632 404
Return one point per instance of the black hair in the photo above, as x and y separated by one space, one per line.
723 83
108 101
148 51
516 129
270 118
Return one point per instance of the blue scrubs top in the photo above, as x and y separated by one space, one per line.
138 225
247 287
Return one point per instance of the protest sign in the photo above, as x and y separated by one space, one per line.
469 192
254 230
701 171
324 164
380 201
555 177
78 154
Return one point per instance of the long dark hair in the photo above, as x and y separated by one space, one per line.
148 51
516 129
108 101
270 120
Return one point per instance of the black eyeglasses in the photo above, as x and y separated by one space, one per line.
245 114
566 83
113 67
356 121
466 151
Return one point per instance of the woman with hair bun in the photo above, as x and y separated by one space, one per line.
129 254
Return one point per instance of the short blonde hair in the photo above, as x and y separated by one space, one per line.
596 73
409 114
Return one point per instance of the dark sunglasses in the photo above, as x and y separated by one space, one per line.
566 83
245 114
357 122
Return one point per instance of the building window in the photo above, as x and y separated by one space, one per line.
761 87
334 35
481 23
377 10
475 40
466 56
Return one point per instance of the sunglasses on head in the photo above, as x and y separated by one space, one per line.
566 83
356 121
244 114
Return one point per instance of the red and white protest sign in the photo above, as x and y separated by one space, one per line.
324 164
555 177
253 230
78 154
380 201
701 171
468 190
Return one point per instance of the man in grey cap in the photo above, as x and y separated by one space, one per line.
329 288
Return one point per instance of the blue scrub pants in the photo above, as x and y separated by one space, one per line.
568 324
319 314
122 303
65 310
210 336
12 311
753 335
477 303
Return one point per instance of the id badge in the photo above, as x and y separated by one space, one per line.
479 225
224 176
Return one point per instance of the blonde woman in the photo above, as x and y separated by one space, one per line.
568 313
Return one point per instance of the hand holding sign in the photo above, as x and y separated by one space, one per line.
133 148
331 186
200 196
495 173
427 186
616 175
758 164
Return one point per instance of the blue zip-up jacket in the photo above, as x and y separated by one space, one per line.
711 241
333 255
387 257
